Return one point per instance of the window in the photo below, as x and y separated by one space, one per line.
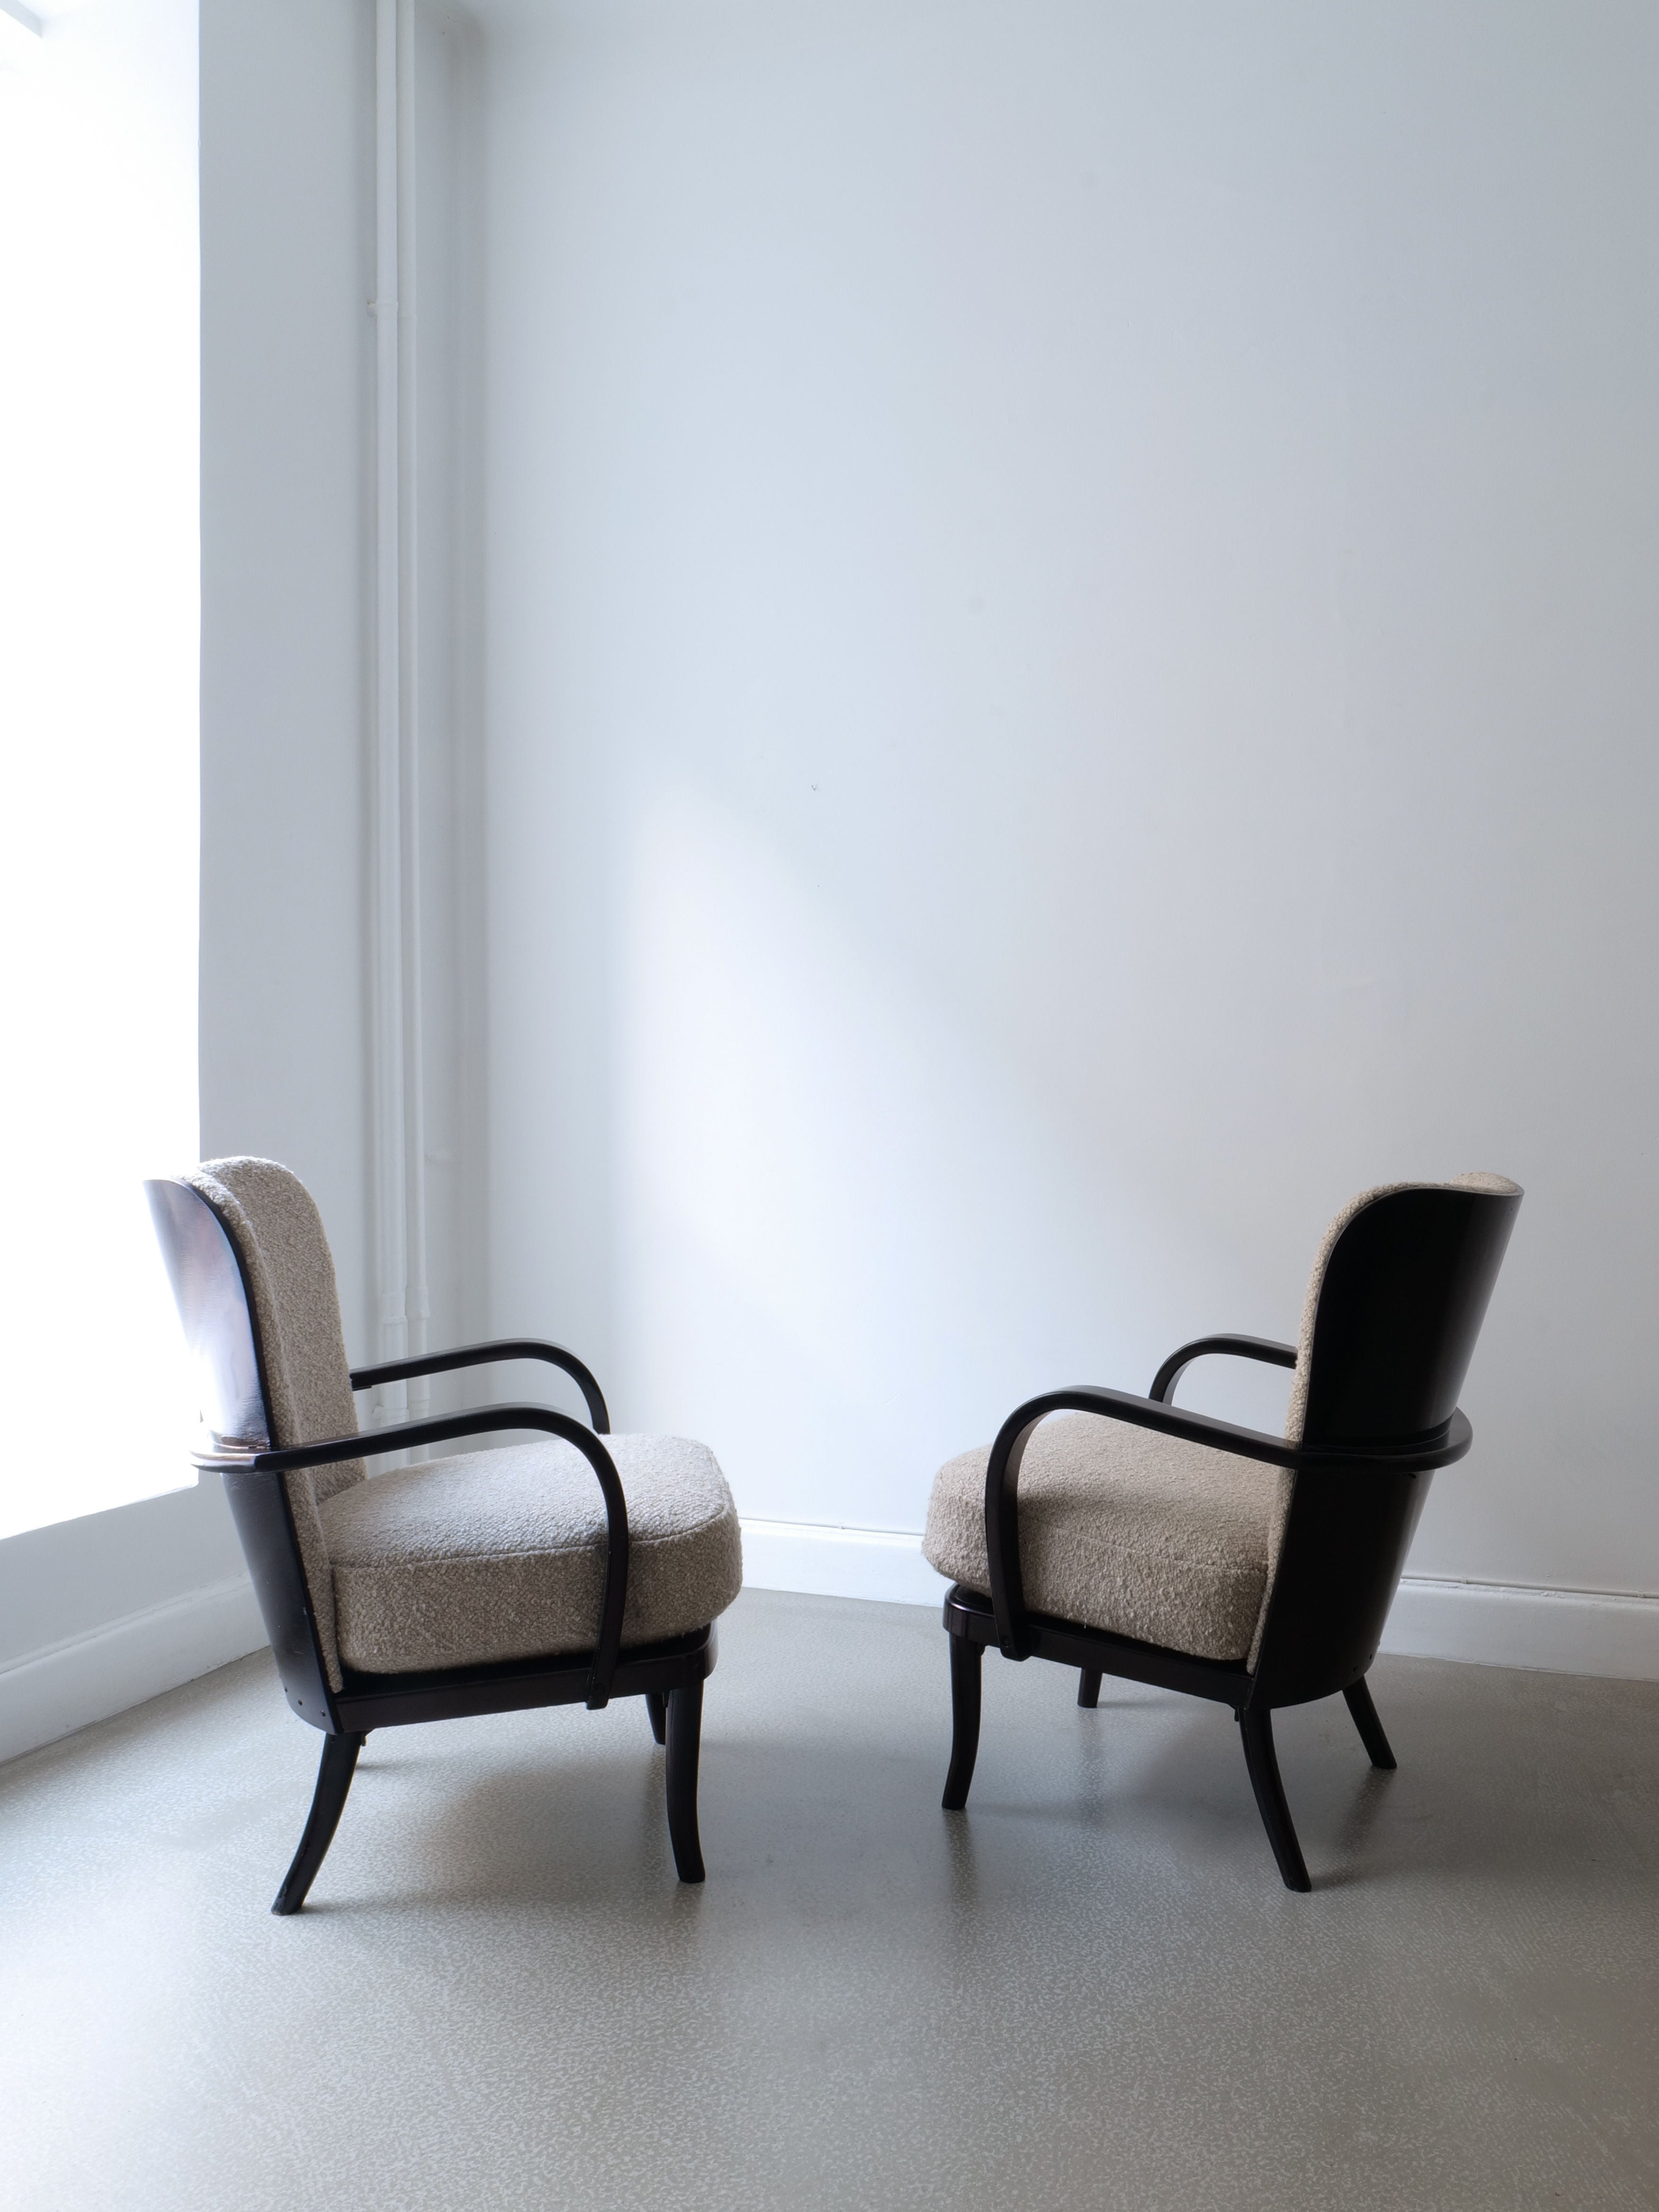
99 621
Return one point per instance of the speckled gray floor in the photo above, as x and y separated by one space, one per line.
1089 1992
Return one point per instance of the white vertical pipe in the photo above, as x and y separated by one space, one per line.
388 1064
397 1084
417 1303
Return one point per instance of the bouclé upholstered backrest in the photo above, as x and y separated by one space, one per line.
268 1216
277 1231
1394 1304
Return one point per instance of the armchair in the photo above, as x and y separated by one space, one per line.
1137 1540
579 1568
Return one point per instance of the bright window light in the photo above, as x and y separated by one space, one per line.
99 620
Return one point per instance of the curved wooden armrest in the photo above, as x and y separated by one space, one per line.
1239 1347
267 1460
481 1355
1002 1472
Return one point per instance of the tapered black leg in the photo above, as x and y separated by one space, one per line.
1371 1729
965 1658
339 1762
1258 1731
1088 1688
657 1706
684 1742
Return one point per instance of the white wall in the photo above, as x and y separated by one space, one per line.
1069 679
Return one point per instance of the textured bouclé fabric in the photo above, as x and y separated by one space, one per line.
1143 1535
501 1554
270 1217
1122 1530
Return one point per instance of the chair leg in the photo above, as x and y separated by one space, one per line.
684 1742
1088 1688
339 1762
1358 1696
656 1706
1257 1729
965 1669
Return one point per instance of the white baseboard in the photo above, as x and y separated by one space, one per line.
47 1693
879 1563
1488 1624
1563 1631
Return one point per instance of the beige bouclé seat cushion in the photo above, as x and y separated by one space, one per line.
500 1554
1122 1530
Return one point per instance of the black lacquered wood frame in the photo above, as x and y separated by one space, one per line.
495 1353
1404 1294
219 1318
